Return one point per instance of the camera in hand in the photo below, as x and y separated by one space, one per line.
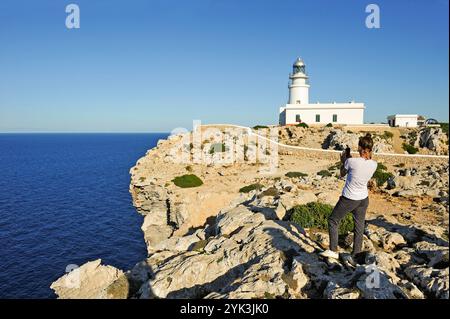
347 152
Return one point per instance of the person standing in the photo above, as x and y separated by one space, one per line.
355 196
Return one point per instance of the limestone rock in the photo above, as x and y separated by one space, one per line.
433 281
334 291
92 281
303 197
392 240
155 234
155 215
339 140
183 243
179 213
329 197
437 256
249 264
248 249
433 139
232 220
373 283
411 290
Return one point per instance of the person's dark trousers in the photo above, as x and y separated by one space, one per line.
343 207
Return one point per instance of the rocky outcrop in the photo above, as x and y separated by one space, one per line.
431 181
251 256
247 253
434 139
214 242
92 281
340 140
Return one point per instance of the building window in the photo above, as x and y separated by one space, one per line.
298 102
297 118
334 117
317 118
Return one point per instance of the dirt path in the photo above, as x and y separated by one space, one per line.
397 141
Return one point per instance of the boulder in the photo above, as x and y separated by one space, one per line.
227 222
437 256
411 290
92 281
433 139
249 264
391 240
434 281
334 291
329 197
373 283
183 243
303 197
339 140
155 234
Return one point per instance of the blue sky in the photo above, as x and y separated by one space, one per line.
159 64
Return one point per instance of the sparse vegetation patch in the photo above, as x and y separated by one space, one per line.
315 215
409 148
302 125
324 173
381 175
188 180
249 188
295 174
257 127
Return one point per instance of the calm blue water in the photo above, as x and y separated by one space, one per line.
64 200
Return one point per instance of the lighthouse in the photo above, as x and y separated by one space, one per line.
299 84
299 110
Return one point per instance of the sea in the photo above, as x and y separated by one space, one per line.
64 201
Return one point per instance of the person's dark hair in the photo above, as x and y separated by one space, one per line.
366 142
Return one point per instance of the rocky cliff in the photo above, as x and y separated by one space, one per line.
217 241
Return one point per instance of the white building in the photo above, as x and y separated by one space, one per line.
403 120
300 110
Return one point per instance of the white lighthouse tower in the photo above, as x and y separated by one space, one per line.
299 110
299 85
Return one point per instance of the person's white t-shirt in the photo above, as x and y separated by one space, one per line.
359 172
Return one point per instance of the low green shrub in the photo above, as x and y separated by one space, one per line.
324 173
271 191
387 135
410 149
315 215
249 188
188 180
329 125
302 125
199 246
444 127
295 174
257 127
380 175
336 166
